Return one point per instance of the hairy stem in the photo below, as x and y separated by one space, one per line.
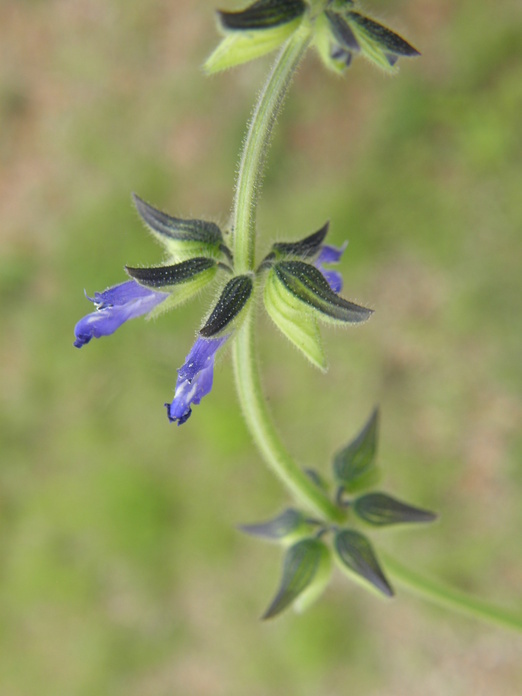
244 220
256 145
248 382
452 599
264 433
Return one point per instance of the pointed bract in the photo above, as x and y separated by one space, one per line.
308 285
114 307
380 510
238 47
170 276
232 301
286 526
356 555
354 466
305 248
262 14
298 325
301 564
181 238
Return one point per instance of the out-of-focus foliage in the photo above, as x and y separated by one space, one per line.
122 571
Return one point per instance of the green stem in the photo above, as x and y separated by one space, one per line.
256 145
248 382
264 433
452 599
244 221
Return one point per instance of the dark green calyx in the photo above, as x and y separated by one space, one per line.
380 510
356 554
233 299
262 14
342 32
207 233
387 39
303 249
300 566
354 465
280 527
164 276
307 284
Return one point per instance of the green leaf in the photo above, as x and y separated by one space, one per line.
305 573
287 526
308 285
380 509
295 322
232 300
242 47
169 276
354 465
182 238
356 555
262 14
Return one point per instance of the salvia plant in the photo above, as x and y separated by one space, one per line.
300 286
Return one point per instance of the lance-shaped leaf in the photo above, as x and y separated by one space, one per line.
355 554
354 466
232 301
297 324
378 43
262 14
308 285
183 238
183 280
304 248
380 509
306 569
286 527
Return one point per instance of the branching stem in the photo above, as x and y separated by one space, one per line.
248 382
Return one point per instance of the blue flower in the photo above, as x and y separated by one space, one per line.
331 254
114 307
195 378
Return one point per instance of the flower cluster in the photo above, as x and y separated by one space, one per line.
308 559
298 292
337 30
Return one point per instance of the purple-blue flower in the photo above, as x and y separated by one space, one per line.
114 307
331 254
195 378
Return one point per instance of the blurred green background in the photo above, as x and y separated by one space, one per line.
120 568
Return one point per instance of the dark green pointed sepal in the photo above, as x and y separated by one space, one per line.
378 43
183 280
308 285
354 466
306 570
379 509
183 238
305 248
356 555
232 301
263 14
286 527
168 276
